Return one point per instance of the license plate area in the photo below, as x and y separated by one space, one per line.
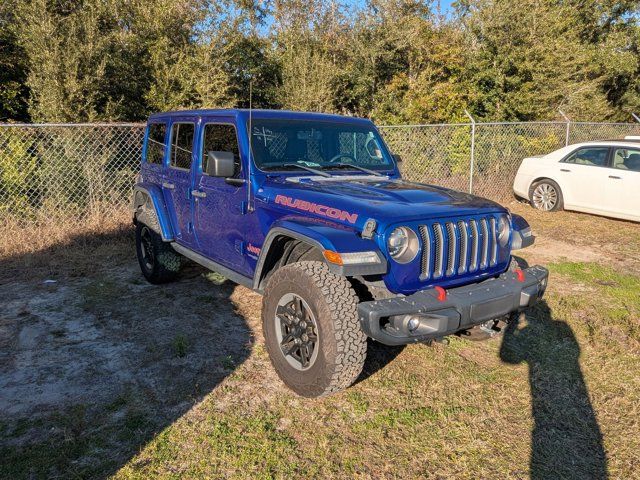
490 309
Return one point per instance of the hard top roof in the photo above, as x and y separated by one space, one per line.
243 114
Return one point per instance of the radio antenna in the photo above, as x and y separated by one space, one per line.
250 106
249 206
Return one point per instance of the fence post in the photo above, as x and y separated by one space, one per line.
473 148
566 139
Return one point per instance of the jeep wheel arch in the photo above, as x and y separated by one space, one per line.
149 208
308 244
283 247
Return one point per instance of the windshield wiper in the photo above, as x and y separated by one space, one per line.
308 169
357 167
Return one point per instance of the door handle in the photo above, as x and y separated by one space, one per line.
564 170
614 177
168 185
198 194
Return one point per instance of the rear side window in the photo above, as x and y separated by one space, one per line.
220 138
592 156
626 159
155 143
182 145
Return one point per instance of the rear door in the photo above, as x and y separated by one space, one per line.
623 183
178 179
582 175
220 203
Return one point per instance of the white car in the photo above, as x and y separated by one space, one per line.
595 177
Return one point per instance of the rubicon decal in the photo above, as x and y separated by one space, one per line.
323 210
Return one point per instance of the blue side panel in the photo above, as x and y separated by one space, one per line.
155 194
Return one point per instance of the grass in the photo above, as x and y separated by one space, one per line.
607 300
618 239
555 398
558 397
180 345
54 248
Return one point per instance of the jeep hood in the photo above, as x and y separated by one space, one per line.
386 200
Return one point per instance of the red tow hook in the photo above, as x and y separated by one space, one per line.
520 274
442 294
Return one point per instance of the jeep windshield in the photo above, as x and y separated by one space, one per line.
319 145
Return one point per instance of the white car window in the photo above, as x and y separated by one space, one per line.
626 159
593 156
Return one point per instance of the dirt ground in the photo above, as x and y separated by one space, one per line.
95 363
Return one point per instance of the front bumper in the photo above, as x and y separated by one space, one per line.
388 320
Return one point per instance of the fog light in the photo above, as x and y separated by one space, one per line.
413 324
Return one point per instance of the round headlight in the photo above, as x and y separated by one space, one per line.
504 228
403 245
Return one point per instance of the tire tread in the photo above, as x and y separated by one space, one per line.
168 261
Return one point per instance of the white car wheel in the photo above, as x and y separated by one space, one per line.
546 196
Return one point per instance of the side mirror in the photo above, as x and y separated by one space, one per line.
397 158
220 164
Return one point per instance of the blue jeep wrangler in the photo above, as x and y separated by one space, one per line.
310 210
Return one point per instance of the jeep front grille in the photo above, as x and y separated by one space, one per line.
451 248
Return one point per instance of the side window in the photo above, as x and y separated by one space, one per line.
626 159
593 156
155 143
182 145
220 138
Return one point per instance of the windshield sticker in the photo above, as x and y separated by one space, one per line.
323 210
264 134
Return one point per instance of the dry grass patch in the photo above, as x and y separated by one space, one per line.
58 247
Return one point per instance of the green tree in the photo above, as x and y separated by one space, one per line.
396 61
529 58
304 31
13 68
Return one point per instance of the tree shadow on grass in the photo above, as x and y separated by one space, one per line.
97 362
566 438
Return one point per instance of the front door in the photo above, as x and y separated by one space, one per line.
177 180
581 176
220 203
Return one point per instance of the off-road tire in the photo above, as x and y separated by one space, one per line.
164 264
342 345
552 186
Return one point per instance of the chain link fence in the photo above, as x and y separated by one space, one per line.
65 173
484 158
68 173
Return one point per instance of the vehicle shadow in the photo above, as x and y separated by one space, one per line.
566 438
378 357
95 362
